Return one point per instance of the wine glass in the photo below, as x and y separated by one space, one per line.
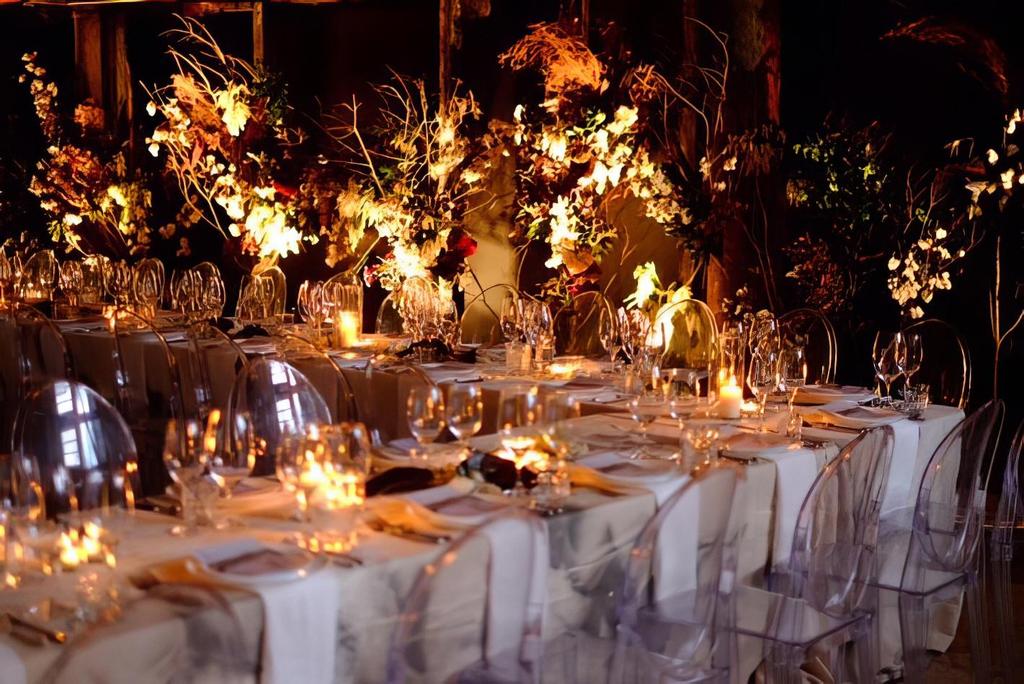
299 469
608 333
146 289
229 440
763 379
119 282
509 318
645 409
556 409
764 333
913 355
886 353
465 410
71 280
186 458
701 435
425 411
518 408
793 373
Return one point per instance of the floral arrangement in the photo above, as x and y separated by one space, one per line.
95 205
578 157
650 295
223 139
412 184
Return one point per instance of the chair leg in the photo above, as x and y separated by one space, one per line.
981 662
1002 599
864 651
914 631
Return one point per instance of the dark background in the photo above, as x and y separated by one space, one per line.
834 62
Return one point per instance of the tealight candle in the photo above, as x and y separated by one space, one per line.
730 399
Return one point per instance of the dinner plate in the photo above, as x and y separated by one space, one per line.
251 562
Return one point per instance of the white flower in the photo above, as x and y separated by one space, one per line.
235 112
154 149
993 156
151 108
894 263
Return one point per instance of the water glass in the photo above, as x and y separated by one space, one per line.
425 412
465 410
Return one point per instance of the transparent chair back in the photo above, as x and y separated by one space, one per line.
207 344
808 328
481 319
147 391
37 353
389 320
280 402
75 450
473 614
578 325
949 514
945 362
280 284
832 558
690 335
1009 516
339 395
207 269
39 276
193 634
676 608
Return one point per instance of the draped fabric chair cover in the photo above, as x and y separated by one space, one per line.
72 452
690 335
824 594
480 322
1005 546
148 392
928 552
945 363
578 325
811 330
280 402
676 612
175 633
473 613
36 354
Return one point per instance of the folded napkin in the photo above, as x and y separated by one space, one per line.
757 444
846 414
300 618
259 496
612 472
508 539
824 394
451 371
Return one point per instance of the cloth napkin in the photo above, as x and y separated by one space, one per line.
300 620
258 496
848 414
612 472
825 394
507 540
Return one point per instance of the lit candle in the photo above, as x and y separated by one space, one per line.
730 399
346 328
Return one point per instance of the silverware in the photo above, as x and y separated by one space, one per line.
406 533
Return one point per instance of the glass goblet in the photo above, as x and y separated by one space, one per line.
465 410
425 412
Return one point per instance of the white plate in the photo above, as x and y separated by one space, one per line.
825 394
250 562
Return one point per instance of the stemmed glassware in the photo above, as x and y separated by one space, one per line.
887 353
912 356
608 332
464 410
312 306
793 375
425 411
646 408
518 407
764 333
119 282
186 455
147 288
763 379
72 280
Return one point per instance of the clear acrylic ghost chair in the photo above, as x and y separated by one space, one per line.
76 449
1005 544
389 320
676 610
280 283
929 552
194 635
810 329
481 319
204 342
147 391
474 613
39 354
945 362
298 350
823 597
280 402
39 276
690 336
578 325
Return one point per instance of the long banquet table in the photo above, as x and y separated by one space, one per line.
334 625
